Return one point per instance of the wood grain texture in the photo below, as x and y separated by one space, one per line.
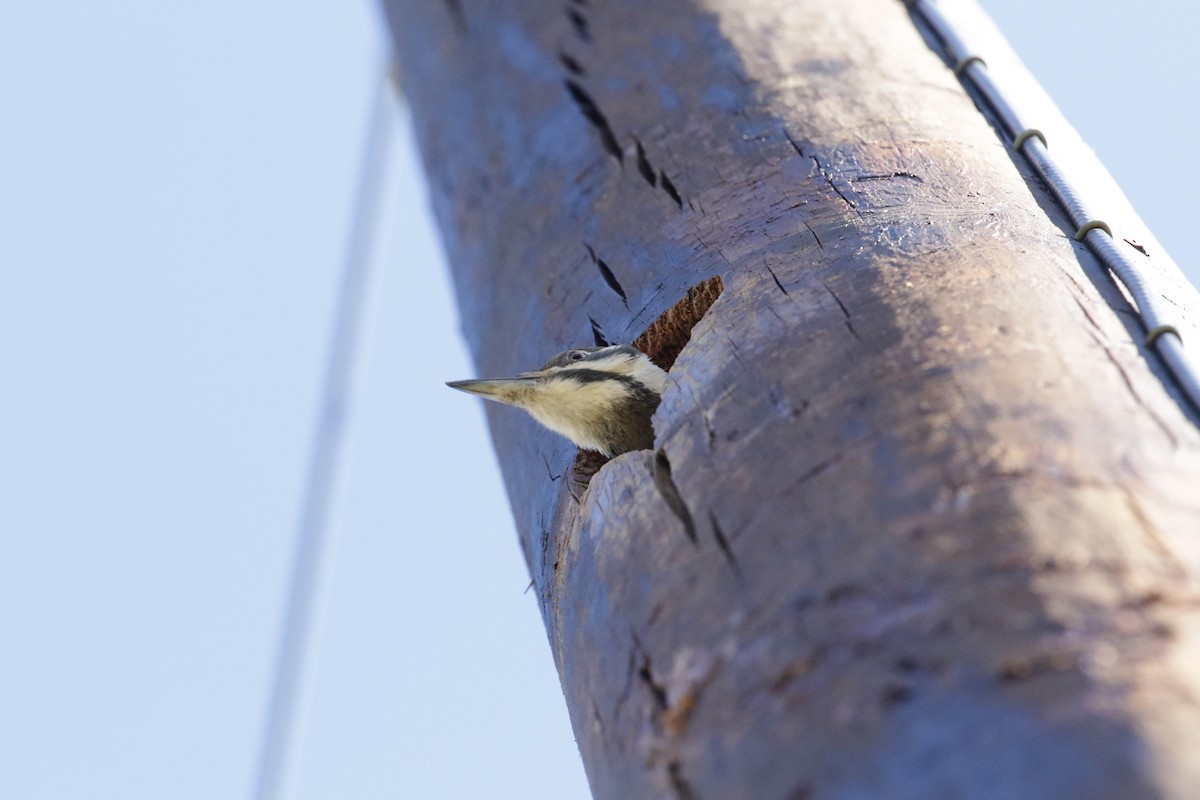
940 518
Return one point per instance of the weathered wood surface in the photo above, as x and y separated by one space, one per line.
946 519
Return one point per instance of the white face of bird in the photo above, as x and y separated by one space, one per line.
616 359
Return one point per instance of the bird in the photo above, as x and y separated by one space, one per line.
601 398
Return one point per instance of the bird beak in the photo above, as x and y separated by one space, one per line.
501 390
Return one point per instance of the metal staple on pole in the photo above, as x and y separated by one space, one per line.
1162 334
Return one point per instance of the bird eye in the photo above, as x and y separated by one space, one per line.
576 355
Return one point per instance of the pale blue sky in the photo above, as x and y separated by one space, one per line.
175 190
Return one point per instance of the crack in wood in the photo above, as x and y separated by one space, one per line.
611 279
580 24
645 673
670 494
800 152
572 66
833 185
814 233
656 691
669 188
723 543
643 164
775 278
795 145
591 112
607 273
845 311
598 334
829 177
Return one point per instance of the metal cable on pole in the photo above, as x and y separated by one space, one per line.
277 755
1159 321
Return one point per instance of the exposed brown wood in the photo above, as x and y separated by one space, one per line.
921 521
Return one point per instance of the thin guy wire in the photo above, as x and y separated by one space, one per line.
1162 335
279 736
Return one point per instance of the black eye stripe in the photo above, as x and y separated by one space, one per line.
599 376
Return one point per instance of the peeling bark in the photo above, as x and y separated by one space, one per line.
940 514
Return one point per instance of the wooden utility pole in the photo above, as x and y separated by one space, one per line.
921 521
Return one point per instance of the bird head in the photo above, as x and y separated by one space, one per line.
601 398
